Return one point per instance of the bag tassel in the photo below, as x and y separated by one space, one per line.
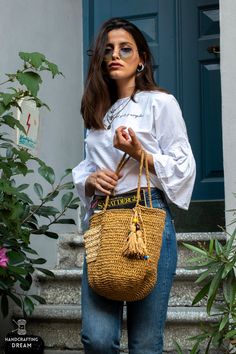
134 246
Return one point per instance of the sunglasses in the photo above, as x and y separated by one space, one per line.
124 53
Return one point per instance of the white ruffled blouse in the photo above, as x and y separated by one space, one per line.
157 121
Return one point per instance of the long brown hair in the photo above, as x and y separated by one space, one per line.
100 91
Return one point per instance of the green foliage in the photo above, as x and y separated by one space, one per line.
20 217
218 279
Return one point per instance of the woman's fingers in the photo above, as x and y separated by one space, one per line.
128 142
106 181
133 136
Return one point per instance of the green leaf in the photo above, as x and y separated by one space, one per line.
40 299
2 108
68 171
195 349
211 246
38 190
13 122
231 334
22 187
21 168
73 206
30 250
38 261
5 145
3 286
16 299
31 80
204 275
215 284
46 271
36 59
195 249
223 322
216 281
65 221
66 199
228 268
201 294
178 348
25 198
24 283
51 196
230 242
68 185
4 305
229 287
25 235
28 306
208 346
218 248
47 173
7 98
24 56
15 257
39 103
53 68
45 211
17 270
51 234
23 155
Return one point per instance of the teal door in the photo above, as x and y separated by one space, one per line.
184 39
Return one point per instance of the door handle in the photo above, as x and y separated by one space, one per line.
215 49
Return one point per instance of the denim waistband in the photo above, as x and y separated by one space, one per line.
128 199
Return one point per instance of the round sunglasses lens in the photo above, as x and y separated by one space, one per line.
126 52
108 54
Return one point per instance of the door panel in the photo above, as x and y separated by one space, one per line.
201 93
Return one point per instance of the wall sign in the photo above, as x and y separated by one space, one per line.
29 118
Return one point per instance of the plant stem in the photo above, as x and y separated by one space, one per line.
43 202
3 83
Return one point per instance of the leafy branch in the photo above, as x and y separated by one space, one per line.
20 217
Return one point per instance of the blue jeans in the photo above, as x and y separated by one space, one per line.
102 318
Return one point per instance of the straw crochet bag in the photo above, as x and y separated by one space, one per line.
123 247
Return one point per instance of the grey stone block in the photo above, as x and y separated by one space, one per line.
59 326
65 288
70 251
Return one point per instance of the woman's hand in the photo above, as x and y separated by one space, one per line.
127 142
103 180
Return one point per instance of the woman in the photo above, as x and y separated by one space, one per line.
124 111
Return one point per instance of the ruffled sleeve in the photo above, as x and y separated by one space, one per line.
174 163
80 174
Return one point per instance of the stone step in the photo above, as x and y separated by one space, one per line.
194 238
53 351
71 250
65 288
59 326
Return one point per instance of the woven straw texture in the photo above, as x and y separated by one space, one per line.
111 274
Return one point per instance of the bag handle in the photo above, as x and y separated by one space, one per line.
121 165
